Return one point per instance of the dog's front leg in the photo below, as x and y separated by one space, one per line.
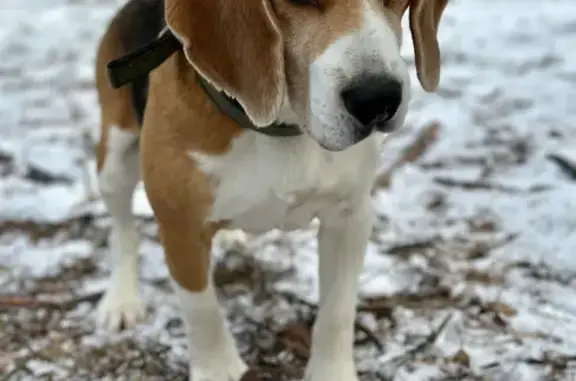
187 240
213 353
342 241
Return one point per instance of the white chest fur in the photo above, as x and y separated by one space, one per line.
266 183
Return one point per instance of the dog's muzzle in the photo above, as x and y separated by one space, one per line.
373 101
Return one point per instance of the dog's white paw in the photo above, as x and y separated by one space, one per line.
230 240
333 371
230 371
120 308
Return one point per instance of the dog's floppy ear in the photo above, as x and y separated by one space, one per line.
237 46
424 20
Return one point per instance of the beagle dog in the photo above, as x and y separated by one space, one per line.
268 114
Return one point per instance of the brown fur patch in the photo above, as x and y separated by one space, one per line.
115 104
309 31
236 46
180 119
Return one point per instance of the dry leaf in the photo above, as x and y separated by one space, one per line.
461 357
501 308
298 339
482 277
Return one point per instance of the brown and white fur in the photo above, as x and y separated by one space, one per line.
282 61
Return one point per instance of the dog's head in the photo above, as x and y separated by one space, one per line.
336 62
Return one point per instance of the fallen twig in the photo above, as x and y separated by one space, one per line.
438 298
411 153
75 227
370 336
426 342
486 185
404 249
567 166
31 302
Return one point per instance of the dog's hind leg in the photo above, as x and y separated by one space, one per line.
118 176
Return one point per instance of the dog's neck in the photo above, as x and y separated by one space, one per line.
233 110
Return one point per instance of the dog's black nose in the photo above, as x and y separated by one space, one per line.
373 99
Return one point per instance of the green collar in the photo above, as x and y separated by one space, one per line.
141 62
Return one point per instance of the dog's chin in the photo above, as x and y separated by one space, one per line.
340 133
339 138
333 146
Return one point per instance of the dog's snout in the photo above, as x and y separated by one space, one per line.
373 99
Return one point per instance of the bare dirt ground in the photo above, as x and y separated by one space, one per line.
471 269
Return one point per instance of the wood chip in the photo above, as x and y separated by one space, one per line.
501 308
461 357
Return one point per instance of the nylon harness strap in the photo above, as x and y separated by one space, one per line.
141 62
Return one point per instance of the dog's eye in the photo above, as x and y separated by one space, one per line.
314 3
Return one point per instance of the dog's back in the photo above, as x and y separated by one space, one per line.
137 23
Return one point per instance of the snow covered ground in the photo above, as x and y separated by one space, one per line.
471 271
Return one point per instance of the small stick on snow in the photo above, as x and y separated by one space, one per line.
411 153
370 336
566 163
484 185
425 343
30 302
